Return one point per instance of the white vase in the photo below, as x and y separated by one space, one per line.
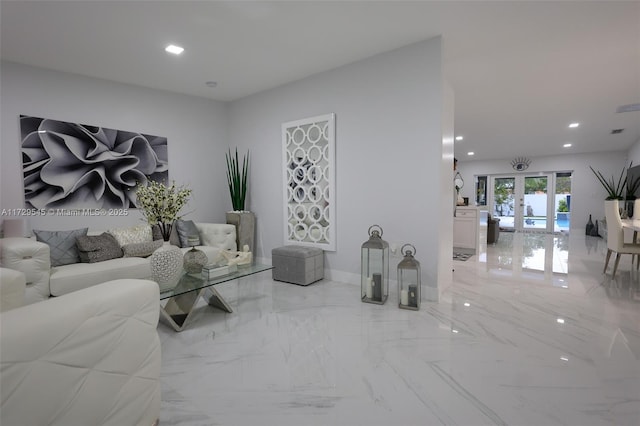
166 266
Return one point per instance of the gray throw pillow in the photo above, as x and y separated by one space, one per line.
142 249
62 245
186 229
98 248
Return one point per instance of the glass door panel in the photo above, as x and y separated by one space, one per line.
503 195
534 203
563 202
523 202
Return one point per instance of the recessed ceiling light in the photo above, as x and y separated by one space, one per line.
211 83
574 125
459 138
567 145
471 153
172 48
560 320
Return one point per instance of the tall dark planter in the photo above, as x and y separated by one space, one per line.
629 206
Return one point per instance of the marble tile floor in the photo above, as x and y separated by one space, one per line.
530 333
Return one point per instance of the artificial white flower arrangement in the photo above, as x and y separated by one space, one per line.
160 204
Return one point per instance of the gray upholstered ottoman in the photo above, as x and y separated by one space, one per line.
297 264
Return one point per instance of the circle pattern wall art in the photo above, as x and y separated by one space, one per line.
308 158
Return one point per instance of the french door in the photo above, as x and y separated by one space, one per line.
523 202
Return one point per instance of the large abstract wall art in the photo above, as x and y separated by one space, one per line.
76 166
308 148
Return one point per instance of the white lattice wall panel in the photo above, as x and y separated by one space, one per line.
308 148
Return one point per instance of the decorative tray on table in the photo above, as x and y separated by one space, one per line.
210 272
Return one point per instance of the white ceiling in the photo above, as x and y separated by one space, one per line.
520 71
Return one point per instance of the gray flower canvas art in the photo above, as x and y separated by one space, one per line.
77 166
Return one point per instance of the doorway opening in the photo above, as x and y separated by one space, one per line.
537 202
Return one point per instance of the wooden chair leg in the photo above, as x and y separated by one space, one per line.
606 262
615 266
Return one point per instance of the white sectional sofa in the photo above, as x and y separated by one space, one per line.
43 281
92 357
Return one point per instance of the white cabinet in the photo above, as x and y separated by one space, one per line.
465 229
470 228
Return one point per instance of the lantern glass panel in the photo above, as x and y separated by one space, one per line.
409 281
375 269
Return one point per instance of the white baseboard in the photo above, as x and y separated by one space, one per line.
428 293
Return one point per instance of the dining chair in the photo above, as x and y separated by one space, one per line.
615 236
636 209
636 216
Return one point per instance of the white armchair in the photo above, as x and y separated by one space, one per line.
91 357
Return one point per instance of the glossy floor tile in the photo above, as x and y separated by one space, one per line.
530 333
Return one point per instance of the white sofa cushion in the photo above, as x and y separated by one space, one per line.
217 235
12 289
68 278
31 258
89 358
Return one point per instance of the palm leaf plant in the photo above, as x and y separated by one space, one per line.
237 179
633 185
614 189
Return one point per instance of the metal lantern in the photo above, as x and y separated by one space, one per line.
375 267
408 280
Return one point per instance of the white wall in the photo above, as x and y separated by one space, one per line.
196 129
394 150
389 154
587 194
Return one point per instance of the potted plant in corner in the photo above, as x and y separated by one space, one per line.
243 220
614 189
621 190
632 187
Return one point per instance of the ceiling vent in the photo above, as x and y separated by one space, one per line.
617 131
628 108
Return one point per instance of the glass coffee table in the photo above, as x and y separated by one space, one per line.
183 297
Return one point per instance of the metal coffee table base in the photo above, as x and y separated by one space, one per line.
179 308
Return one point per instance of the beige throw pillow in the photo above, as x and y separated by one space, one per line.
131 235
